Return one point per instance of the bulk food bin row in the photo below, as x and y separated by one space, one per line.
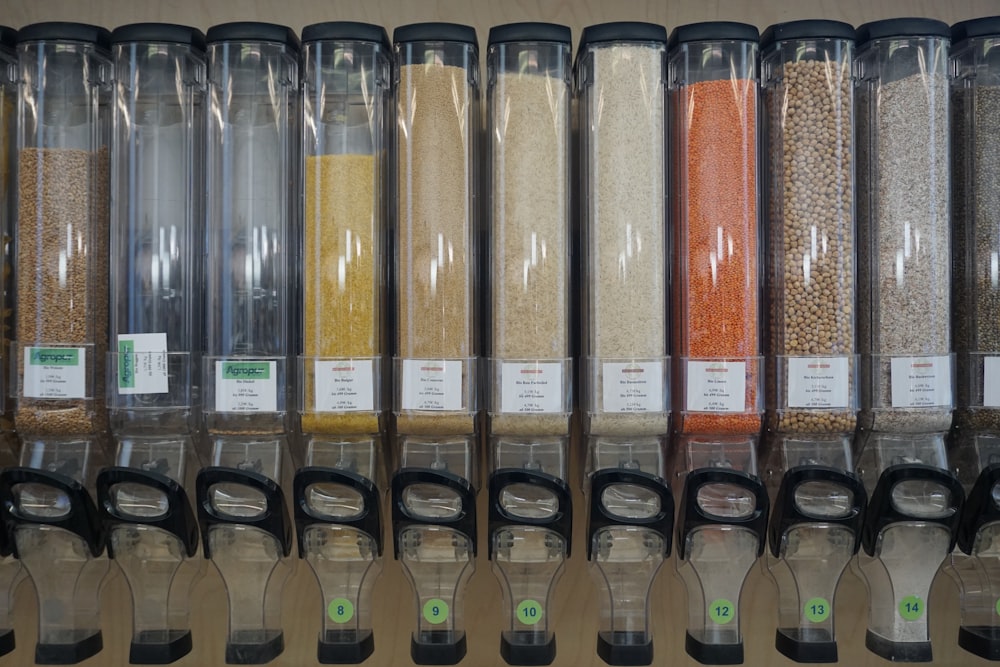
256 281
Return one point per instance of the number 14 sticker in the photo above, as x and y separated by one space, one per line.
911 608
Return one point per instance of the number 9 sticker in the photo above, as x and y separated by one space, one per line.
435 611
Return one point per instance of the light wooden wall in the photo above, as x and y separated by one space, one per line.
576 604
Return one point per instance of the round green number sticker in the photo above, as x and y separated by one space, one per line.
911 608
341 610
435 611
817 610
998 607
529 612
721 611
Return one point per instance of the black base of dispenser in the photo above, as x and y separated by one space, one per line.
345 647
438 647
981 640
898 651
7 644
806 644
69 654
160 648
254 652
527 648
625 648
713 654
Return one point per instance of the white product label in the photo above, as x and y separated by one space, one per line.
246 386
921 382
991 382
818 382
531 388
432 384
142 364
716 386
55 372
632 387
344 386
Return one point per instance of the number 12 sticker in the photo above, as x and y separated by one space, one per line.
722 611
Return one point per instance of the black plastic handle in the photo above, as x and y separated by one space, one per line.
178 518
787 514
273 520
881 512
464 521
600 517
561 522
369 520
81 519
979 508
692 516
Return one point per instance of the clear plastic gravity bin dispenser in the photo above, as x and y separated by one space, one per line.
61 263
620 79
530 515
975 140
713 98
249 287
907 377
811 387
158 190
346 86
436 82
11 572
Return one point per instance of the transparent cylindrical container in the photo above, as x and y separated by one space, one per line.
529 74
158 190
808 97
714 193
437 164
346 92
904 235
8 185
975 143
251 167
61 265
620 83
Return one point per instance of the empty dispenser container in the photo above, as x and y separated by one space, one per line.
251 165
975 145
346 80
904 325
528 96
61 276
620 85
157 184
716 325
437 120
810 372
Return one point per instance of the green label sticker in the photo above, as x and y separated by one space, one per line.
341 610
54 356
126 364
435 611
721 611
911 608
817 610
529 612
246 370
998 607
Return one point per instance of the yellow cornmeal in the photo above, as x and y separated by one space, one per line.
341 315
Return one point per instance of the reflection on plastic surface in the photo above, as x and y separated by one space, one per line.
431 501
727 501
625 562
237 500
337 501
823 500
922 499
529 501
139 500
630 501
41 501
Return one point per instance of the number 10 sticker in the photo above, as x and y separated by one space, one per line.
529 612
721 611
435 611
